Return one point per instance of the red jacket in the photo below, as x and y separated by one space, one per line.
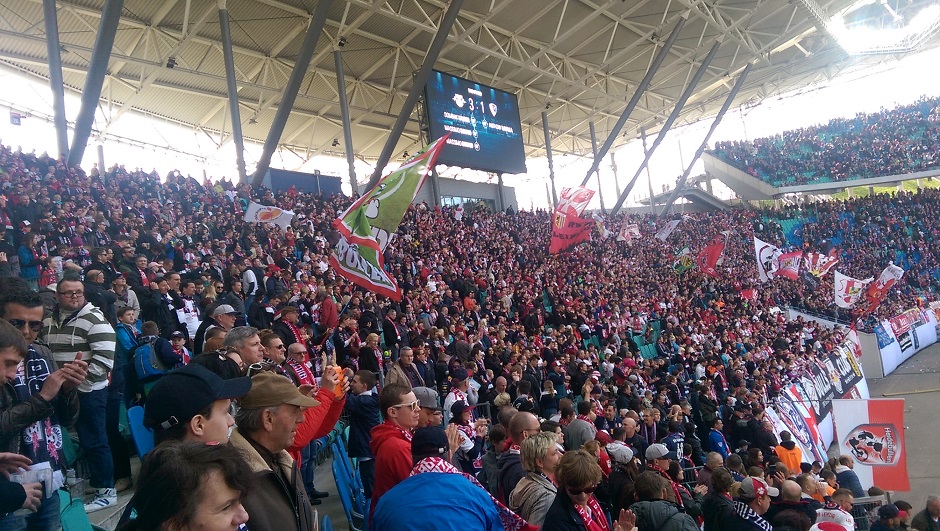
393 462
318 421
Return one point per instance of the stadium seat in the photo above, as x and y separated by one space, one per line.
72 513
143 436
345 496
327 525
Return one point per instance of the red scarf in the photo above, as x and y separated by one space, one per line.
672 484
404 432
303 376
596 521
298 335
587 419
511 521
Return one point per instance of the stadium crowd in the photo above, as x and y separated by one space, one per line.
110 280
901 140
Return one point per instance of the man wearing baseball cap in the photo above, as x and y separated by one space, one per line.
752 502
193 403
431 413
459 390
223 316
266 426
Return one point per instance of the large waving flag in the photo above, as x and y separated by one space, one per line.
848 290
712 255
768 259
878 290
788 265
568 227
667 230
368 224
818 264
629 232
683 260
258 213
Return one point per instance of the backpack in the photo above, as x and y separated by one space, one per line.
147 363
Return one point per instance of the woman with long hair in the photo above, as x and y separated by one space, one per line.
575 508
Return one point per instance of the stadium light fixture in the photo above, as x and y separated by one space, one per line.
870 27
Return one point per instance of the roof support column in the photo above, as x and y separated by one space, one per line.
548 155
644 84
698 153
297 75
686 94
421 79
94 80
344 112
600 192
53 51
232 89
649 178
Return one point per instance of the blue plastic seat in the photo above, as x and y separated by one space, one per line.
345 494
143 437
327 525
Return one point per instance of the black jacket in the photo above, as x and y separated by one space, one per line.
562 516
662 515
510 472
717 509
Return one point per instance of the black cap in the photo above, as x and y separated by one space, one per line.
888 511
459 407
430 440
744 442
459 374
182 393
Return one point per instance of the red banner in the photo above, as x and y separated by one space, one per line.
789 265
711 256
568 231
872 432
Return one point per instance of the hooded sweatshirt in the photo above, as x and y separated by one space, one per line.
87 331
393 463
790 455
662 515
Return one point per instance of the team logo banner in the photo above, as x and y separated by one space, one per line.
800 422
872 432
664 232
768 259
848 290
832 376
629 232
368 224
257 213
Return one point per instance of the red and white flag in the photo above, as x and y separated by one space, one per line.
713 254
819 264
768 259
788 265
629 232
573 201
848 290
878 290
872 432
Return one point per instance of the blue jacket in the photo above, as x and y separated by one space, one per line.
363 413
848 479
717 443
436 502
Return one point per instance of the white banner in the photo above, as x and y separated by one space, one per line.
848 290
768 259
667 230
268 214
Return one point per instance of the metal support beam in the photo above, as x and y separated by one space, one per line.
55 76
344 114
421 79
101 167
502 200
686 94
435 186
649 177
94 80
600 192
647 79
548 155
292 87
701 149
232 90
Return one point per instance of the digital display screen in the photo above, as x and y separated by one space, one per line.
483 122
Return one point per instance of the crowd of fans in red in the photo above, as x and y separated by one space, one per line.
905 139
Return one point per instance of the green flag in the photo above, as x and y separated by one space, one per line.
683 261
368 224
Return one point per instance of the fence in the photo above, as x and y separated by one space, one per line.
865 511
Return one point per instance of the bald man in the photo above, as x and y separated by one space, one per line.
634 440
522 426
790 500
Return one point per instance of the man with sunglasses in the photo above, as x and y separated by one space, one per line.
391 440
77 329
36 402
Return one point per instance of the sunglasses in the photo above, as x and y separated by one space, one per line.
414 406
260 367
578 492
35 326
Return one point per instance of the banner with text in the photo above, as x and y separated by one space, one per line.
872 432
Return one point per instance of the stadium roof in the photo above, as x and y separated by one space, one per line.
580 59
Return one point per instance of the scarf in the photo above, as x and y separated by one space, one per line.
301 375
672 484
587 419
511 521
741 509
41 440
405 433
298 335
592 522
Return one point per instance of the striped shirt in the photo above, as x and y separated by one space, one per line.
86 331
